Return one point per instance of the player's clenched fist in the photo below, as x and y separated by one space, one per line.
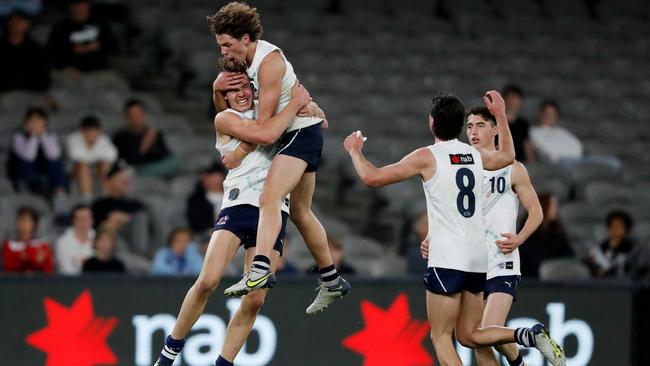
494 102
300 95
354 141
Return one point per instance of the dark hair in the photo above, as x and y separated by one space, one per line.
28 211
35 111
177 231
237 19
448 114
620 215
78 207
483 112
226 64
549 103
512 89
132 102
89 122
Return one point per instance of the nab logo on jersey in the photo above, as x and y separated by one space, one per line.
461 159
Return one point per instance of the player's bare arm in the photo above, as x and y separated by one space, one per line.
314 110
270 76
253 132
418 163
233 159
522 185
505 154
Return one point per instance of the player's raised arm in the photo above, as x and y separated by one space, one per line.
253 132
420 162
505 153
522 185
271 72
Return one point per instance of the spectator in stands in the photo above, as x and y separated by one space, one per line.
338 254
35 159
554 143
104 259
548 242
415 264
285 267
90 149
180 258
26 253
513 96
143 146
75 246
558 145
80 41
23 65
610 258
204 204
121 214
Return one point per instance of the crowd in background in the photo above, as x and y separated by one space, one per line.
109 230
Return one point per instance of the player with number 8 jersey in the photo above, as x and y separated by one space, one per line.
452 176
456 226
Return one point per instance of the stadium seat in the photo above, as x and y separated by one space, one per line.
604 193
563 269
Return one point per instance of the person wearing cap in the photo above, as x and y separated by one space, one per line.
90 149
80 41
204 204
23 65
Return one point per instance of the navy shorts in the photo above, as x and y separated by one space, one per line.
305 144
444 281
242 221
505 284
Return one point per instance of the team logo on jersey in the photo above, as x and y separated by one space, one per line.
234 193
223 220
461 159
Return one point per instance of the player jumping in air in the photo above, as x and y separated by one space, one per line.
237 221
238 29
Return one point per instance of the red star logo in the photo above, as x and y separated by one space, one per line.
74 336
455 159
390 336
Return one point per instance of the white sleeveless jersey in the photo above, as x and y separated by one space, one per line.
288 80
243 185
500 206
453 196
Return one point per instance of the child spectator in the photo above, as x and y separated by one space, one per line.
25 253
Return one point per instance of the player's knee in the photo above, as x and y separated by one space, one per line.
253 302
205 286
298 213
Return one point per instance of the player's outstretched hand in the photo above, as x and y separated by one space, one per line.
300 95
354 141
494 102
424 248
227 80
510 243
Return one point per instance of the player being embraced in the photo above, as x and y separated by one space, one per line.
237 28
237 221
451 173
502 191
